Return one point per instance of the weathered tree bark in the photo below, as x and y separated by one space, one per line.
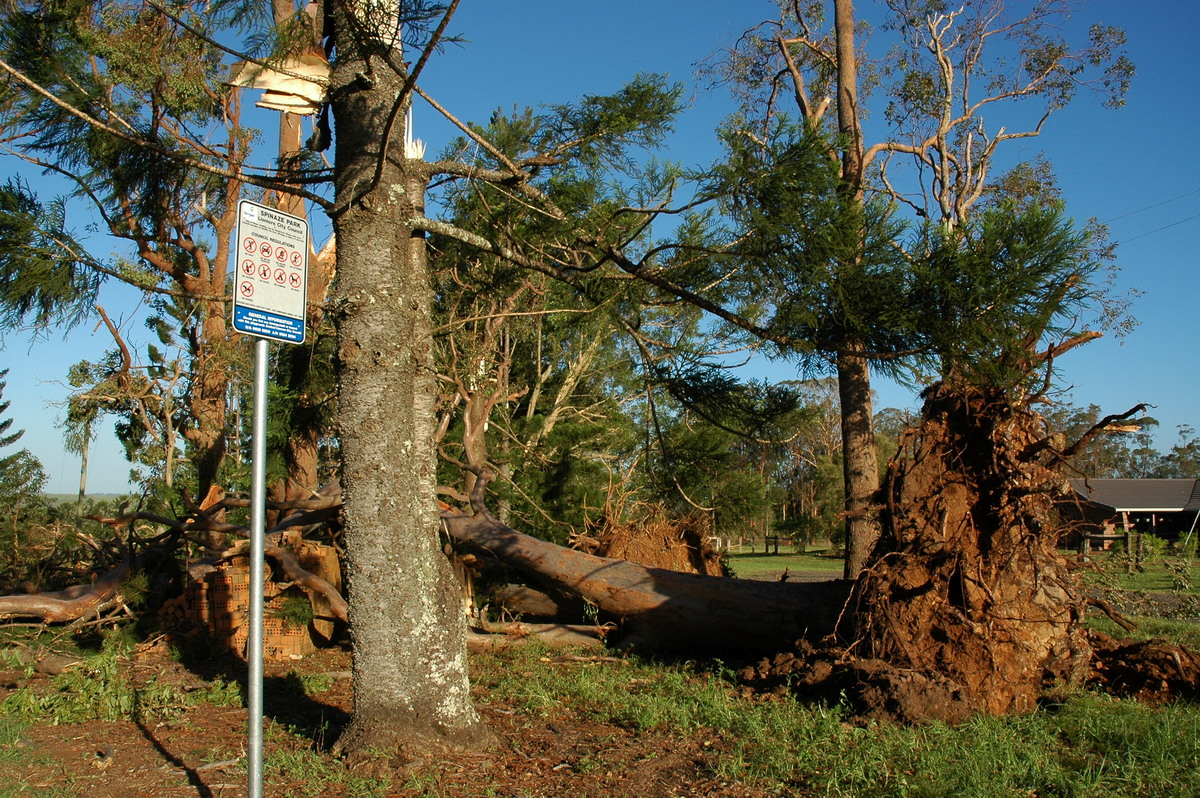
860 464
408 630
662 609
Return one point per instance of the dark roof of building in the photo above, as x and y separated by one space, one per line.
1141 495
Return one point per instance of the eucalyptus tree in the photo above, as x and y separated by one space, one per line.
946 80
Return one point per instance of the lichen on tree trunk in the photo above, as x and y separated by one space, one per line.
410 673
966 584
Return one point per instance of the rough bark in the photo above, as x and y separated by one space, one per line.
666 610
860 464
410 670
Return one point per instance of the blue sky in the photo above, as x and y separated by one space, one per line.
1134 168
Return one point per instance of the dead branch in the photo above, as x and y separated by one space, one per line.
1099 427
70 604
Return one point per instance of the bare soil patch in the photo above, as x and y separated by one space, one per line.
199 751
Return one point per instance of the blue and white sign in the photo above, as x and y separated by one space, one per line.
270 285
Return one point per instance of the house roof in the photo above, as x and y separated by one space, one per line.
1141 495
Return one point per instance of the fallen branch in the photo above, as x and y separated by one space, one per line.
72 603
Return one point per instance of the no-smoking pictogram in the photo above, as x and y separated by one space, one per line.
270 273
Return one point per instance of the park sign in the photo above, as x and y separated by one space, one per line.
270 302
270 285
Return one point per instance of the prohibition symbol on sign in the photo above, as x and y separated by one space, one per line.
270 273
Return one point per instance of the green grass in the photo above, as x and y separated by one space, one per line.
286 764
99 689
1089 745
750 566
1183 632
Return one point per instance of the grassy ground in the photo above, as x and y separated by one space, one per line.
1081 745
585 726
759 565
134 722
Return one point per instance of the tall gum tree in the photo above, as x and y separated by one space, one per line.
946 70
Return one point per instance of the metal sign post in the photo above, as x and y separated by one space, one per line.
269 301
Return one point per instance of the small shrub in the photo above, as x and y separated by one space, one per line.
295 610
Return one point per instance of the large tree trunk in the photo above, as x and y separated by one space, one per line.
409 635
860 464
662 609
859 460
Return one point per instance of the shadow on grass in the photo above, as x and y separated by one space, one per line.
286 699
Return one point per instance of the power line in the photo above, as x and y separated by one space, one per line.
1152 207
1160 229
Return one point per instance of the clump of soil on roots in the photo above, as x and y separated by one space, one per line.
967 587
967 605
651 537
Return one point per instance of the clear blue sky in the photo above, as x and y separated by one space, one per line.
1134 168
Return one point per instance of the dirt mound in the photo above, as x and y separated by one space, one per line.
655 539
1154 671
872 689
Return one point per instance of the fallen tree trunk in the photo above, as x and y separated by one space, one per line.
666 610
83 601
69 604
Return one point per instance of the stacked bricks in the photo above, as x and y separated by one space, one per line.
321 561
216 603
